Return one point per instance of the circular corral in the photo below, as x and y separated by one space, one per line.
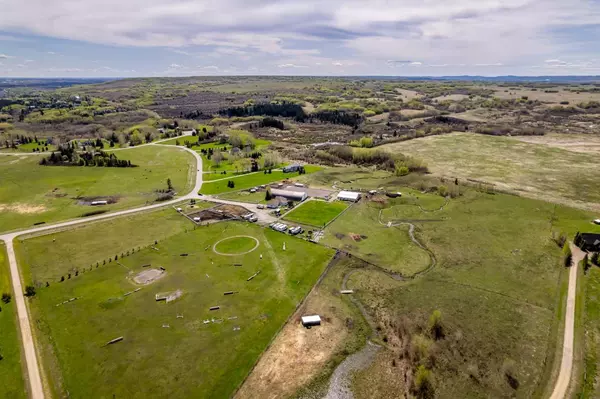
238 241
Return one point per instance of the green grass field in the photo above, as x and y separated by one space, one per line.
591 373
316 213
496 283
235 245
532 169
251 180
11 372
190 358
29 147
31 193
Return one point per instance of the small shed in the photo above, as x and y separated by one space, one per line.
348 196
310 321
101 202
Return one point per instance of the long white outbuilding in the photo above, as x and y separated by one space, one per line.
348 196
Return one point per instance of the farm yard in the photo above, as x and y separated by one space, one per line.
32 193
250 180
181 335
316 213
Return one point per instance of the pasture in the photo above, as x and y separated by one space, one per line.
316 213
360 232
12 385
497 285
535 170
174 349
31 193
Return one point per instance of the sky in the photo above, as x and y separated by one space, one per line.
127 38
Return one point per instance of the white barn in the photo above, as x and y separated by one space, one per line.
348 196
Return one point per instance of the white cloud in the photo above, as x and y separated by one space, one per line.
50 52
210 67
368 36
291 66
175 66
4 56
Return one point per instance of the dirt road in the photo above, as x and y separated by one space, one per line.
566 364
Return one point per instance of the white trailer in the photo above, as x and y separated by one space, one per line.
310 321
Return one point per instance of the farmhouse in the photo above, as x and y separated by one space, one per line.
588 242
288 194
348 196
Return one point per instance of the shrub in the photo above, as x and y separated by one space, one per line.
443 191
401 170
29 291
585 263
568 256
595 259
508 369
423 383
560 239
435 325
366 142
6 297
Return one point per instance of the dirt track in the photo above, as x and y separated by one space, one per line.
566 364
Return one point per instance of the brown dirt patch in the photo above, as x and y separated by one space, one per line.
355 237
24 209
296 356
148 276
219 212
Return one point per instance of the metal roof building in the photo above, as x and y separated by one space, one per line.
348 196
292 195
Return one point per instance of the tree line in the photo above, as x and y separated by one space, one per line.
68 156
291 110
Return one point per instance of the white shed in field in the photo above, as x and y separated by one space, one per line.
309 321
348 196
